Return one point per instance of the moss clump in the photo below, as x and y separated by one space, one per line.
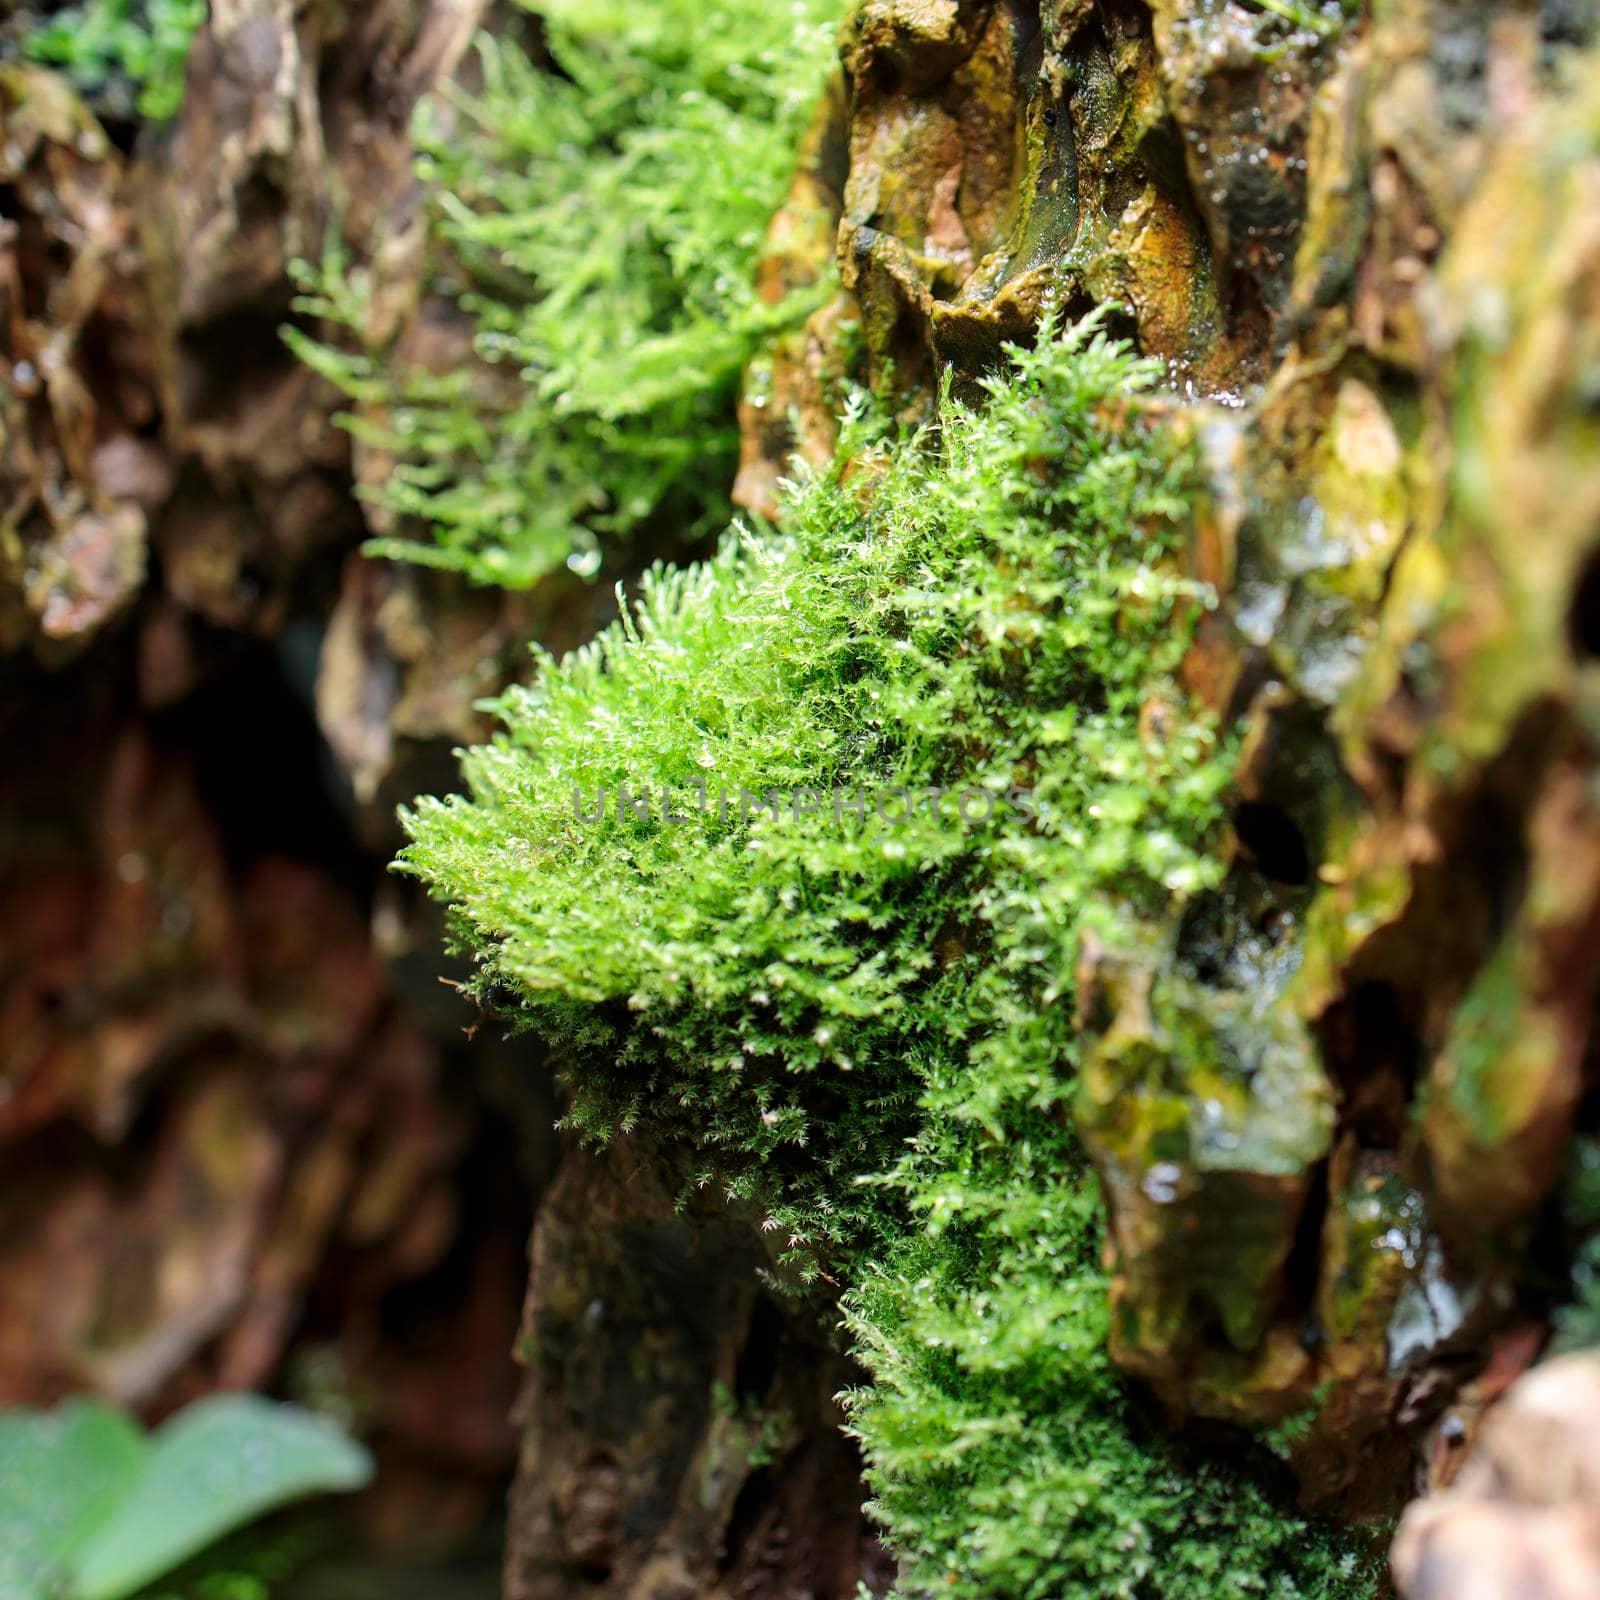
867 1025
138 45
598 217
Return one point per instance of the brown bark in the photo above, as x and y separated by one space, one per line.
242 1143
681 1436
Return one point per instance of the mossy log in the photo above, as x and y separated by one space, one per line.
1333 1090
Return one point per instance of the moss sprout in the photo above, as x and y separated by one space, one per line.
142 44
597 216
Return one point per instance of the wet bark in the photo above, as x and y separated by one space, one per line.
681 1436
1330 1102
243 1142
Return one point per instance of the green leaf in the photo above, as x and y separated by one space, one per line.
219 1464
61 1474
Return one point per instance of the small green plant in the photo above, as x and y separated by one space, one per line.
1577 1323
862 1015
92 1509
1323 22
1282 1438
765 1429
597 218
144 42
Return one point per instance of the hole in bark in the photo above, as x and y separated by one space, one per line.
1373 1053
757 1368
1304 1266
1583 621
226 362
1274 841
263 769
1565 25
1237 936
755 1494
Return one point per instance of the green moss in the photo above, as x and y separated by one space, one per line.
1005 1456
141 43
1294 1429
1324 21
598 219
867 1025
1486 1034
1578 1321
254 1565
